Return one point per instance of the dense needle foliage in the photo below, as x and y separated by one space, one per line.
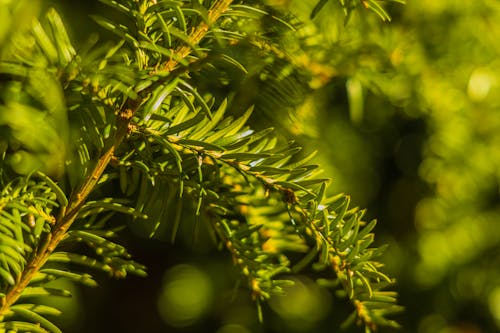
153 130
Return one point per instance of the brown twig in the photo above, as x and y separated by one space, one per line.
217 9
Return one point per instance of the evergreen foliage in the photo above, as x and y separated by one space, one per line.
141 127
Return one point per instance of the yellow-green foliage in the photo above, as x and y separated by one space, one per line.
153 131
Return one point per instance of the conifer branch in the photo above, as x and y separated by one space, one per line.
174 140
68 214
67 217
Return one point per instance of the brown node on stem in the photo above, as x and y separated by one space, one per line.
126 114
289 196
114 161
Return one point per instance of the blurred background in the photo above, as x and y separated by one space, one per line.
406 118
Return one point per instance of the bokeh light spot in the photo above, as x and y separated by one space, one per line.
233 328
304 304
186 295
494 304
479 85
